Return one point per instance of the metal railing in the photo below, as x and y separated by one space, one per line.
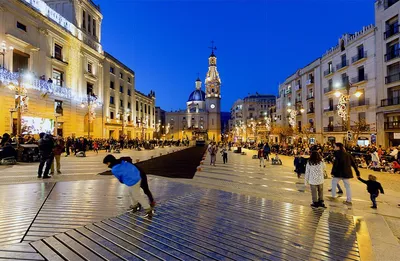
390 101
328 89
392 54
359 103
359 57
334 129
297 87
392 78
327 72
391 125
311 110
393 30
360 78
330 108
310 96
297 100
342 64
310 81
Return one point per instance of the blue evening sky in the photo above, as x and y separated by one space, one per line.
260 42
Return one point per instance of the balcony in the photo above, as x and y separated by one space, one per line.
393 30
392 55
392 125
363 102
328 72
390 102
310 96
342 65
298 100
310 81
359 57
311 110
328 89
392 78
297 87
330 108
335 129
389 3
360 78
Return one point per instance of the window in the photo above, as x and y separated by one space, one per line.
121 103
141 107
58 107
330 104
184 118
112 85
94 27
391 27
121 89
58 77
129 118
111 100
342 48
89 89
360 51
361 117
137 106
149 109
392 50
111 115
361 75
83 19
121 75
343 58
145 108
89 24
129 92
21 26
330 68
89 67
344 79
111 69
129 105
129 79
58 52
330 83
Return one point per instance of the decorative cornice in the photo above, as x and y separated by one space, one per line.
43 31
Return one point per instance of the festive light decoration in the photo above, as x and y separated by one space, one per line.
11 79
342 106
292 118
268 123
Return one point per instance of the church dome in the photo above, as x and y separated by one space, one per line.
197 95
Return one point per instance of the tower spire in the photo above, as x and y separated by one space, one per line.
212 48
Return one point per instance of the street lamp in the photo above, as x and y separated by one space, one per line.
343 106
91 102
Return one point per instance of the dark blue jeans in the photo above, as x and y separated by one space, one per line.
373 199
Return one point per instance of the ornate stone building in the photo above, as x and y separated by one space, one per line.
202 117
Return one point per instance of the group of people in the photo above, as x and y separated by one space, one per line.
315 174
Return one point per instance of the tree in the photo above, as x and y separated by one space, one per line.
358 128
283 131
307 131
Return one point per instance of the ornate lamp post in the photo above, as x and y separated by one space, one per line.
91 102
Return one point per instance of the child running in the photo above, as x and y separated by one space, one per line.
373 188
129 174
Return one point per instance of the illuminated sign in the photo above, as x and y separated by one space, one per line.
33 125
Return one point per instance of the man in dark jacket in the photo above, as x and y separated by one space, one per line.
341 170
46 146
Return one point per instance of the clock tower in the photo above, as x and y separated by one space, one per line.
213 97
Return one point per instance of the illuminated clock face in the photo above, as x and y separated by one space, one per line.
212 106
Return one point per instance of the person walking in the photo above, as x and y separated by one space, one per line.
57 151
213 153
373 188
341 170
266 151
46 146
314 176
129 175
68 145
224 153
261 157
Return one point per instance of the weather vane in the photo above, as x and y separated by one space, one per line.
212 47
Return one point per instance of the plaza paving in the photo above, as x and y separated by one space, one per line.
237 211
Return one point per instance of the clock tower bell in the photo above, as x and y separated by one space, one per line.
213 97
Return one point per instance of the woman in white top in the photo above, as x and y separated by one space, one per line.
315 177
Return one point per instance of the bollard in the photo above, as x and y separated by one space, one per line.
137 160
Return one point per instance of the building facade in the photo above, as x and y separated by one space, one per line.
159 131
353 60
388 72
308 100
52 65
201 119
249 117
